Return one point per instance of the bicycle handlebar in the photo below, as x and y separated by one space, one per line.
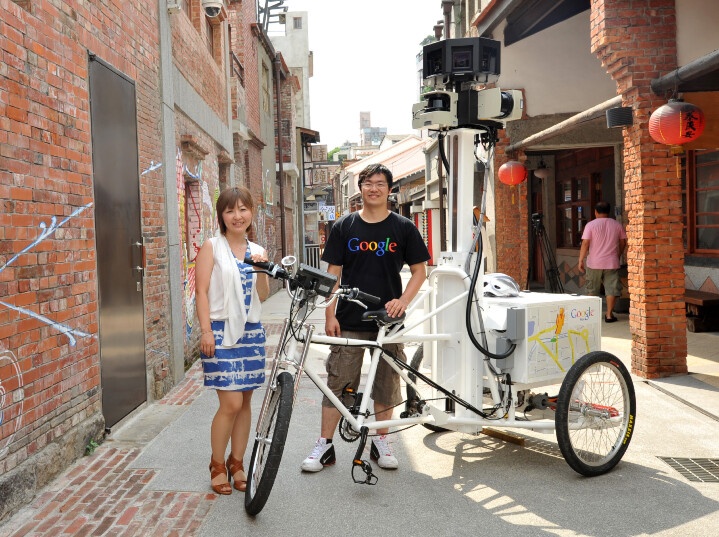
271 268
355 294
314 279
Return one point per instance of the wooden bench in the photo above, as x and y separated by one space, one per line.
702 310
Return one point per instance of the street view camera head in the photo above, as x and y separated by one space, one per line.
453 68
212 7
449 62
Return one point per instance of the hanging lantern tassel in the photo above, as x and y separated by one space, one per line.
676 123
512 173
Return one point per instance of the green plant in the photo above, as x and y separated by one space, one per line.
91 447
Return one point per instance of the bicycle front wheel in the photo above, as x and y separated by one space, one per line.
269 444
595 414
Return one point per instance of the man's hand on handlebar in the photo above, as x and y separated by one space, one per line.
396 307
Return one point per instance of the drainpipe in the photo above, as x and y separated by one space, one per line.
438 28
277 64
447 6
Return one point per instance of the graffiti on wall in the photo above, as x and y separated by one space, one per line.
207 213
44 234
263 235
12 396
12 393
195 227
215 225
179 169
153 166
267 187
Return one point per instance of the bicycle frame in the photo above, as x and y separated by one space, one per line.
287 355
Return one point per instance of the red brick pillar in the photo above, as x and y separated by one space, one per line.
636 42
512 218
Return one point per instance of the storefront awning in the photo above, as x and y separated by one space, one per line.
567 125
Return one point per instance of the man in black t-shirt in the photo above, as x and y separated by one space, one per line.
367 249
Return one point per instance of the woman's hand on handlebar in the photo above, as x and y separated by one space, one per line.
260 258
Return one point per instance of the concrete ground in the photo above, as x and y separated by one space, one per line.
150 477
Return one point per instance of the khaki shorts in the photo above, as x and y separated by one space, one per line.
344 367
610 277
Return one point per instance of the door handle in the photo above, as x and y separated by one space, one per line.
141 244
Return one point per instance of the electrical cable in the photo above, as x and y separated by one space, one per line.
478 245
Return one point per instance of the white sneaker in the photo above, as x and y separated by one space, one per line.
382 454
322 455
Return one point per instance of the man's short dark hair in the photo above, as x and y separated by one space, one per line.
602 207
374 169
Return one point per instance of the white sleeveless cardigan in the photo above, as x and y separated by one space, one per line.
227 301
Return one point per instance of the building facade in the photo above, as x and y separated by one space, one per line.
574 63
115 141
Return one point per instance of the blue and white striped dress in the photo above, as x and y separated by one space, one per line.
239 367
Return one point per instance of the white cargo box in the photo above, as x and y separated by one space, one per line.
557 331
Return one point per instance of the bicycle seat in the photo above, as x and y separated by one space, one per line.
381 317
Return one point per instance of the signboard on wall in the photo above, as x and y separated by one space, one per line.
328 211
310 206
319 153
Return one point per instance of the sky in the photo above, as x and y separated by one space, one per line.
364 60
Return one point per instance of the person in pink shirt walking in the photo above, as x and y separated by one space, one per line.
604 240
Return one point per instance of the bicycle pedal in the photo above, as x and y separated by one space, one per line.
366 467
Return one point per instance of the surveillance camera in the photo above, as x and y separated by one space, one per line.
212 7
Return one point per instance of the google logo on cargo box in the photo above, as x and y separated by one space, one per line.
582 315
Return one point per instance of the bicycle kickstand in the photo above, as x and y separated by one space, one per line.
369 478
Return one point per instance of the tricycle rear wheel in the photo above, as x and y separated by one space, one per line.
595 413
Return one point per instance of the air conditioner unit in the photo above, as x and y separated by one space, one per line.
173 6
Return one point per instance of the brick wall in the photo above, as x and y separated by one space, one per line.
49 355
512 217
241 16
204 72
636 42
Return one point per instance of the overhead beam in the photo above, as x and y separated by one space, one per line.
566 125
691 71
493 14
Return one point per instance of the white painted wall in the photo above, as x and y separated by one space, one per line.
295 49
697 33
556 68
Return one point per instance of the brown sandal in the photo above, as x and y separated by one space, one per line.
216 469
235 466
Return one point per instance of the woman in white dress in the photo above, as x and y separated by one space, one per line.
232 345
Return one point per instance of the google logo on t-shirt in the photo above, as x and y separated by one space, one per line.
354 245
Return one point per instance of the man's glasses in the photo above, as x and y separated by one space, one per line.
369 185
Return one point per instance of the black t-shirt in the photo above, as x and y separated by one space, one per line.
371 257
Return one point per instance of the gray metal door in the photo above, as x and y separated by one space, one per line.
120 254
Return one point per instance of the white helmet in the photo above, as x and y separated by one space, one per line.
498 284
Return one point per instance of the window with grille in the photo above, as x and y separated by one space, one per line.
574 208
700 202
210 36
265 88
297 23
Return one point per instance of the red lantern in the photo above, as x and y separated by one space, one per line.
676 123
512 173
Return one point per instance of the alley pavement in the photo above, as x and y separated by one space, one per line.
150 476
